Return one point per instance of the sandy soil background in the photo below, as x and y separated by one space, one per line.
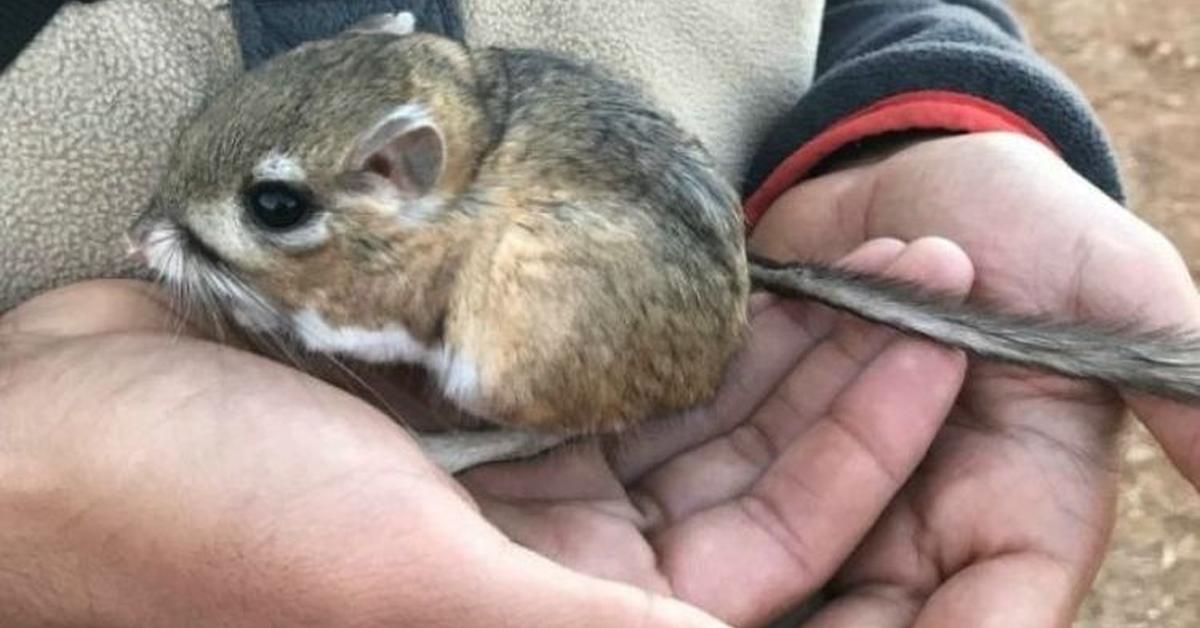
1139 63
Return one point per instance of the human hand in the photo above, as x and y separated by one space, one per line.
747 506
152 480
1006 521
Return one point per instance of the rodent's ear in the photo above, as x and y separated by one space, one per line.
407 149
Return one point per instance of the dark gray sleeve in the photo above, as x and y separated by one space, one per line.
266 28
940 65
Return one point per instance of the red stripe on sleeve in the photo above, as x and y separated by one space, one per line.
926 110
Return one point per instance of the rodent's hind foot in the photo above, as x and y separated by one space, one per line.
458 451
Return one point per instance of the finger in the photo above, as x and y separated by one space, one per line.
796 520
876 256
93 307
597 537
795 525
508 585
808 392
1020 590
781 332
539 592
1177 429
1023 589
876 606
804 398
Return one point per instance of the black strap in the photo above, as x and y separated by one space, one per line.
20 22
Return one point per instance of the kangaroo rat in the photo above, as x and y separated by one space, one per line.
555 250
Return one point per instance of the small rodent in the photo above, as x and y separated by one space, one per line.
552 247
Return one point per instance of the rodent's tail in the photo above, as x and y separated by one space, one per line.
1163 363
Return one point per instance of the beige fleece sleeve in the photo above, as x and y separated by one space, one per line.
87 113
728 69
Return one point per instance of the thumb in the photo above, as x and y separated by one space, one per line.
470 575
1176 427
819 219
544 593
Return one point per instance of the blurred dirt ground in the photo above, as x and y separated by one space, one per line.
1139 63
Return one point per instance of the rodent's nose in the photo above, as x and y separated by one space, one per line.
135 241
134 248
138 235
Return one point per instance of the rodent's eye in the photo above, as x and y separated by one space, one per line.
277 205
